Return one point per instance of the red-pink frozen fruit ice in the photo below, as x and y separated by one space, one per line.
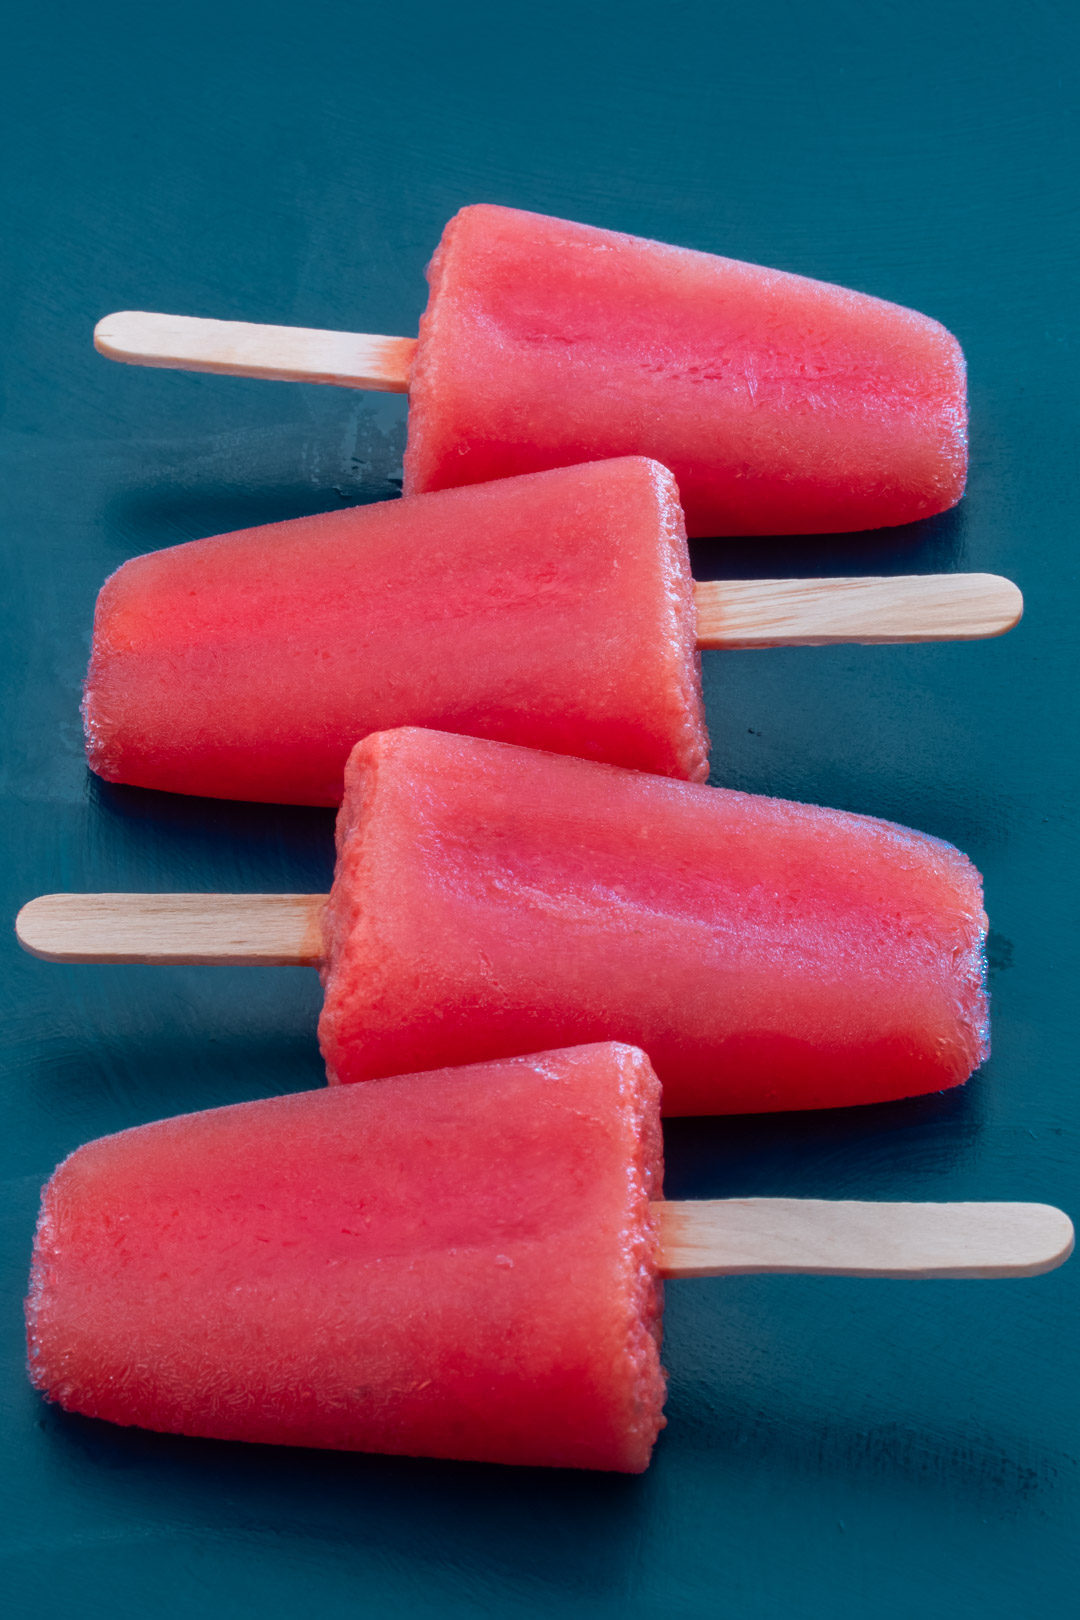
458 1264
781 404
554 610
767 955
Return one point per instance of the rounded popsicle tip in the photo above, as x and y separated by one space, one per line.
1002 602
40 927
1058 1237
122 335
998 1240
962 607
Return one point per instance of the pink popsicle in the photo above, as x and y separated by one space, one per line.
554 610
491 900
781 404
458 1264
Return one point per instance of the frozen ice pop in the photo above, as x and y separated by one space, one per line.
781 404
463 1264
491 900
555 610
767 955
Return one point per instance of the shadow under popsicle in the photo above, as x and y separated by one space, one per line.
933 545
557 1529
181 838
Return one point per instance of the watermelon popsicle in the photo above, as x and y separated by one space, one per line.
460 1264
781 404
556 610
491 900
463 1263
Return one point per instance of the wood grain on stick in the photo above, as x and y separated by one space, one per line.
818 612
840 1238
244 349
174 929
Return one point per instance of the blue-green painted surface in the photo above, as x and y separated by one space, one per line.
835 1448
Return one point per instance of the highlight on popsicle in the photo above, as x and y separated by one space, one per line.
555 609
783 405
293 1271
491 900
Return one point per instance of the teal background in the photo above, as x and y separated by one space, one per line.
834 1448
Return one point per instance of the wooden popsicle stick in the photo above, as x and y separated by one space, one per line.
731 1237
243 349
820 612
173 930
